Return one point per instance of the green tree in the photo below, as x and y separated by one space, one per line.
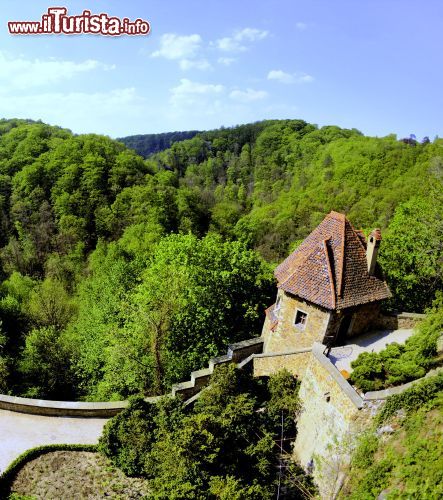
50 305
223 447
412 252
46 365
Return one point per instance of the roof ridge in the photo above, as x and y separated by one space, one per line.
331 278
335 214
342 263
358 237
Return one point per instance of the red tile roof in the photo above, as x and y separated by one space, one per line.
330 269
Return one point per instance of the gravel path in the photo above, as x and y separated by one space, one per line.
20 432
343 356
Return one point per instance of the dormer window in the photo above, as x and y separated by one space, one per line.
300 319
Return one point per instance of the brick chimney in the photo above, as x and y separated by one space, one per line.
372 247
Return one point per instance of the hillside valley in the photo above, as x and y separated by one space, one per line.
123 273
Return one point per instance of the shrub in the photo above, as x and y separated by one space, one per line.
128 436
398 364
223 447
406 463
413 398
364 454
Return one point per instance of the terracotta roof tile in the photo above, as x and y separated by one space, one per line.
329 268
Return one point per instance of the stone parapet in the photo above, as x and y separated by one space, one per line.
241 350
398 320
237 353
61 408
344 386
65 408
294 361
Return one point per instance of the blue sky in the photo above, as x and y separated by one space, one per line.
374 65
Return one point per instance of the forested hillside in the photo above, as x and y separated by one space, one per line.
147 144
120 275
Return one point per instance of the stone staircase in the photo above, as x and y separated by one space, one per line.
240 353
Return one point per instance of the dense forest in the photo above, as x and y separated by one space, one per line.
120 275
147 144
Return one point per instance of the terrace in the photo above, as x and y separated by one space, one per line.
374 341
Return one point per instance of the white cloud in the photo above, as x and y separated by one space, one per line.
189 92
226 61
250 34
174 46
248 95
301 26
289 78
235 43
229 44
22 73
202 64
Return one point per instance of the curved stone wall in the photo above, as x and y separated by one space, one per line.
61 408
236 353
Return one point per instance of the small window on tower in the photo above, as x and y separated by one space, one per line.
278 303
300 319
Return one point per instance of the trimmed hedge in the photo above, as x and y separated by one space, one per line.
9 474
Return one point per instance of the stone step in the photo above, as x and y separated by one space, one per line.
241 350
194 398
182 387
218 361
201 377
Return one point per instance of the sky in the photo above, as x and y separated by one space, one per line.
372 65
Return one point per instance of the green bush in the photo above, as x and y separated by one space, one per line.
223 447
398 364
128 437
364 454
413 398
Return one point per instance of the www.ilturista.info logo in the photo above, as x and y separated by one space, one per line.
57 22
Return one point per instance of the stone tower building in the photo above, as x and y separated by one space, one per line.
329 288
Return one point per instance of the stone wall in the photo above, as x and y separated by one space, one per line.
321 325
295 362
287 336
332 413
363 318
61 408
329 421
236 353
395 321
